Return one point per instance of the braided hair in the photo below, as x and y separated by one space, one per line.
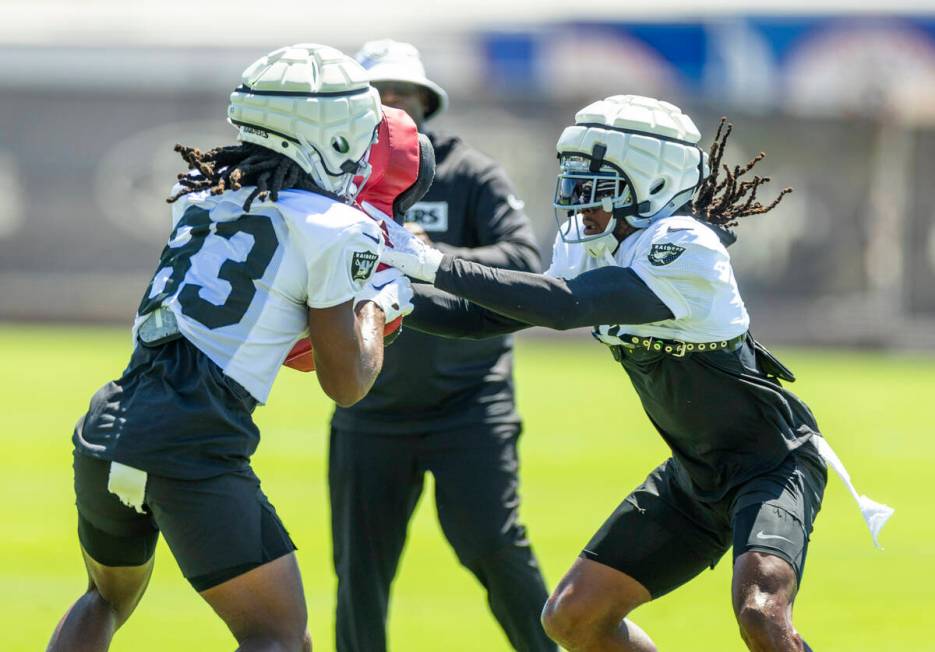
724 201
234 166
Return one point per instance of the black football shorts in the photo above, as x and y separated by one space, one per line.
217 528
662 535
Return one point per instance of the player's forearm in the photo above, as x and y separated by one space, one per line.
347 369
608 295
371 323
439 313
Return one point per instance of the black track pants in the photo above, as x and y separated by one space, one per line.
375 483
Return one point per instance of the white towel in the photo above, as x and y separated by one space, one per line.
128 484
875 514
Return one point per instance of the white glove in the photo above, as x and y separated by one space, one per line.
408 253
390 290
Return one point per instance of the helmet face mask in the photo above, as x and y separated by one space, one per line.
577 188
350 179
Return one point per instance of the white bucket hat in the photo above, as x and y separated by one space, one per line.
394 61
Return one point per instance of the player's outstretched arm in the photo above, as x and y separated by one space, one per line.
348 345
607 295
440 313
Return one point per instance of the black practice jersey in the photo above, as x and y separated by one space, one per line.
723 413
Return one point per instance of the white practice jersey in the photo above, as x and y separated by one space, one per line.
241 285
684 263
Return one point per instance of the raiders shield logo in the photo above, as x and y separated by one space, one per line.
362 265
664 253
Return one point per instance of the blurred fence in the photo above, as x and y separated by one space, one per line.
86 161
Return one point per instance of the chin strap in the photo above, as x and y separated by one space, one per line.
604 245
342 185
642 221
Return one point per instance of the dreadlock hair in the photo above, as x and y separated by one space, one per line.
724 201
234 166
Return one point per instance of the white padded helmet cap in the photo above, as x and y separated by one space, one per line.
313 104
650 141
640 113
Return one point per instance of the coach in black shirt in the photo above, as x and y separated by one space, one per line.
439 405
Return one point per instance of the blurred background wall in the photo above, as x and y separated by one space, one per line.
94 95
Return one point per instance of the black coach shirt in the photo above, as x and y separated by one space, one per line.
428 382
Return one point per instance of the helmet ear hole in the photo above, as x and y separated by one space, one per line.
340 145
658 186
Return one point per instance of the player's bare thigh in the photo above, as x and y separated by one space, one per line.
121 586
112 594
265 607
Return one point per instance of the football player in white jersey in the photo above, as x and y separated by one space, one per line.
641 257
266 250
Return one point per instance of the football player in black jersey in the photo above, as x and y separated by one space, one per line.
640 257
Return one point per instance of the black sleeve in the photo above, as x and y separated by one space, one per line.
607 295
439 313
502 230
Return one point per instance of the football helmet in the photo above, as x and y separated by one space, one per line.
313 104
635 157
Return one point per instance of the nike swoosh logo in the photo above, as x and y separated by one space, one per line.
760 535
671 230
380 287
367 235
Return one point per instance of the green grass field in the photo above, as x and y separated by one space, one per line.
586 444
